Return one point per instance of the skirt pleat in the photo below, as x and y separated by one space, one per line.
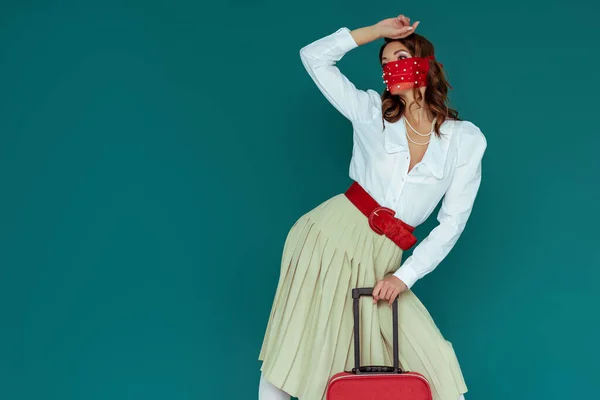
309 335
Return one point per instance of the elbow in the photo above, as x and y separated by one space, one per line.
304 58
452 227
308 56
304 53
306 62
309 61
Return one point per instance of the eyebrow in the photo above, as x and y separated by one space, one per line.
396 52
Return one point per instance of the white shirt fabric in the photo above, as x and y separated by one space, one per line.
450 168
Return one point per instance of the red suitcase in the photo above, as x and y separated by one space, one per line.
377 382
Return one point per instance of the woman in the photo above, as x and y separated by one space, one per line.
410 150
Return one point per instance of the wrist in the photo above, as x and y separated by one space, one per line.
402 285
366 34
376 31
406 275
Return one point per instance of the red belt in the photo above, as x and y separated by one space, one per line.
381 219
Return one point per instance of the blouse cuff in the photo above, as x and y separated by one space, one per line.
407 275
344 40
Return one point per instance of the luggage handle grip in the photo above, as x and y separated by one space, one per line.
357 293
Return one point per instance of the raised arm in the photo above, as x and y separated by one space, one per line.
320 58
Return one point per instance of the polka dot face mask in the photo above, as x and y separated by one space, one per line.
406 73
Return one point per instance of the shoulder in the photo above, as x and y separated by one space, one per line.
371 105
470 143
470 135
375 100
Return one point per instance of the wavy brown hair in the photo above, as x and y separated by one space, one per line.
436 92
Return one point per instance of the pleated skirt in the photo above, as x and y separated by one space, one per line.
309 335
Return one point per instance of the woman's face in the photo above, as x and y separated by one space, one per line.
394 51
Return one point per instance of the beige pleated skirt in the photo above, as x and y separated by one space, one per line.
309 335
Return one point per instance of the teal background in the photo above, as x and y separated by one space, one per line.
153 156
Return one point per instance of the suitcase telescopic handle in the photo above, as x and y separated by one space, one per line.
357 293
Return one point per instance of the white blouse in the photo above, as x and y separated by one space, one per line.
450 168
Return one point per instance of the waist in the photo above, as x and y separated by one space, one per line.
381 219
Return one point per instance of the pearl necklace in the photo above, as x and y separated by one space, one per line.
418 133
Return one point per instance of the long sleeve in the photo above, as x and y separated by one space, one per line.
319 58
455 211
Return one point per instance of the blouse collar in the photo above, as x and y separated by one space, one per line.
437 151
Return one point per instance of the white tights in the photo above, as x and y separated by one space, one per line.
268 391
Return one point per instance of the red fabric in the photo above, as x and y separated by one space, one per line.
404 386
406 73
381 219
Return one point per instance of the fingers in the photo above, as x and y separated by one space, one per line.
398 24
385 290
403 27
376 291
391 294
408 28
402 32
403 19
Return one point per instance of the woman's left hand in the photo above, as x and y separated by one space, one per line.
395 28
388 289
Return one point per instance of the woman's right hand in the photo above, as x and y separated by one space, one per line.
395 28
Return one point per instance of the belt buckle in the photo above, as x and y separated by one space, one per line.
376 212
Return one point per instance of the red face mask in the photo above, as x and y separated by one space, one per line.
406 73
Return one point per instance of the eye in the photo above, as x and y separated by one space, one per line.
383 65
402 57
